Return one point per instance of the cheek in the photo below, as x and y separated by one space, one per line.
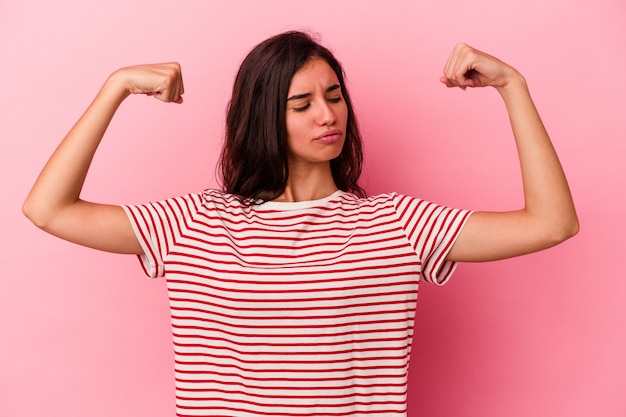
290 123
344 116
298 131
294 127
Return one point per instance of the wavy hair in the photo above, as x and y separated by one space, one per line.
253 161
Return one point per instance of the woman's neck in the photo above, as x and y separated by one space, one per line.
308 182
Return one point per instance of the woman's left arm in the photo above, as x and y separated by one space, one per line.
548 217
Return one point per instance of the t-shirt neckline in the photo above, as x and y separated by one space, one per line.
298 205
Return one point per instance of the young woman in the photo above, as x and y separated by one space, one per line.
292 293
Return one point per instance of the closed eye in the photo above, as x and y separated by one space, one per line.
333 87
302 108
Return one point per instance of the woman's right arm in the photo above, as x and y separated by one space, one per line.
54 203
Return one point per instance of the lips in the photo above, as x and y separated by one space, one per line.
330 136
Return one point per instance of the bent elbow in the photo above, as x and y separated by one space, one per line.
565 231
30 213
573 230
34 214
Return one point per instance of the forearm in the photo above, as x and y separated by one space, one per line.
548 216
546 193
61 180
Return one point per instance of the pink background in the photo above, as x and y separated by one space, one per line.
84 334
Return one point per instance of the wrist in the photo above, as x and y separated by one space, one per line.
117 84
513 84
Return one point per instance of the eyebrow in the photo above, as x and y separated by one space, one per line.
305 95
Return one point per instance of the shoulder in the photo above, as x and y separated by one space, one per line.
219 197
226 205
194 202
407 208
390 199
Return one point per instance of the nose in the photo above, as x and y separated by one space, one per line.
326 114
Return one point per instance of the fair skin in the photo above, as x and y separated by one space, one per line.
548 216
316 119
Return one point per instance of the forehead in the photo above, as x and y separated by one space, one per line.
316 72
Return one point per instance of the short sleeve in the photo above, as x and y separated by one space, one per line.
432 230
158 226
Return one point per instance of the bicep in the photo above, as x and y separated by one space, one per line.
489 236
99 226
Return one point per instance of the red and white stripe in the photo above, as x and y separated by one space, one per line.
294 309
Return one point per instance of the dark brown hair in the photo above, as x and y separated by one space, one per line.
254 157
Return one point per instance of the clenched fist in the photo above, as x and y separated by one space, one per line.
469 67
162 81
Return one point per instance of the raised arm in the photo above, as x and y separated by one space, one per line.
548 216
54 203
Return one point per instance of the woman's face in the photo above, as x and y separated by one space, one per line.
316 116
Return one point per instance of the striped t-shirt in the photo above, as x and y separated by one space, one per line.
294 309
